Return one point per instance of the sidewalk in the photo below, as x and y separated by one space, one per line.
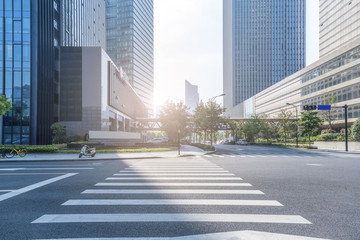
185 150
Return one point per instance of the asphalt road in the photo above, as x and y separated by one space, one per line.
238 188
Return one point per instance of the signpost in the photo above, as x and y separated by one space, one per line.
324 107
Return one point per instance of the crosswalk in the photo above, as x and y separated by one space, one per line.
177 182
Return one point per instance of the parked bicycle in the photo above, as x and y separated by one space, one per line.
20 151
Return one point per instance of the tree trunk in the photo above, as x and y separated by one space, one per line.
309 140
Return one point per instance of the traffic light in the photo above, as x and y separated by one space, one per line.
309 107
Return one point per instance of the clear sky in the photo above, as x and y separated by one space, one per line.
188 46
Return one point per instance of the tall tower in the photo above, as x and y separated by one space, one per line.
83 23
31 34
191 96
264 41
338 24
130 43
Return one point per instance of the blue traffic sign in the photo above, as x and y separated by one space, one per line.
324 107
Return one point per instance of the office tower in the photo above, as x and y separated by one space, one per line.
30 39
29 47
264 41
130 43
83 23
339 24
191 96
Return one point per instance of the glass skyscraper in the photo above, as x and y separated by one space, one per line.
130 43
31 33
29 47
83 23
264 41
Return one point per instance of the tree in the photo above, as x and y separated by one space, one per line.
328 115
198 119
309 123
208 117
214 119
286 123
59 133
355 130
174 119
5 105
252 127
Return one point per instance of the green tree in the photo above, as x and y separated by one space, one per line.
309 123
268 128
355 130
208 118
174 119
59 133
5 105
328 115
286 123
214 119
252 127
198 120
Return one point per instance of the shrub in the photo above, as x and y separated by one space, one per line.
355 130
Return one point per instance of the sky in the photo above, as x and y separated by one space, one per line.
188 46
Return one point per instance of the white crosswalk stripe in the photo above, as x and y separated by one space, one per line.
156 183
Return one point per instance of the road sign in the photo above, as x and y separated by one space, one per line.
309 107
324 107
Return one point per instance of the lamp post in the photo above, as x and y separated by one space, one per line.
211 100
297 137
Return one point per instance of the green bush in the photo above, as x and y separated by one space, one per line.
328 137
355 130
34 149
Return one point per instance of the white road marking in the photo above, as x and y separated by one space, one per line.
6 190
174 174
169 191
175 178
138 202
34 186
238 235
175 184
98 218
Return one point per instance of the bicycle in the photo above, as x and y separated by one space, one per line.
18 151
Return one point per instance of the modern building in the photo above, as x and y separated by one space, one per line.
83 23
31 34
191 96
338 24
96 97
264 41
29 50
130 43
337 73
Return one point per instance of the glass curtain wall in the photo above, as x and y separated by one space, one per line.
269 44
15 68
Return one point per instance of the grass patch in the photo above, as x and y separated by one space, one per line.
203 146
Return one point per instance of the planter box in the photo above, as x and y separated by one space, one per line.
337 145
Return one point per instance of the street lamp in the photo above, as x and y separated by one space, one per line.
213 98
297 137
